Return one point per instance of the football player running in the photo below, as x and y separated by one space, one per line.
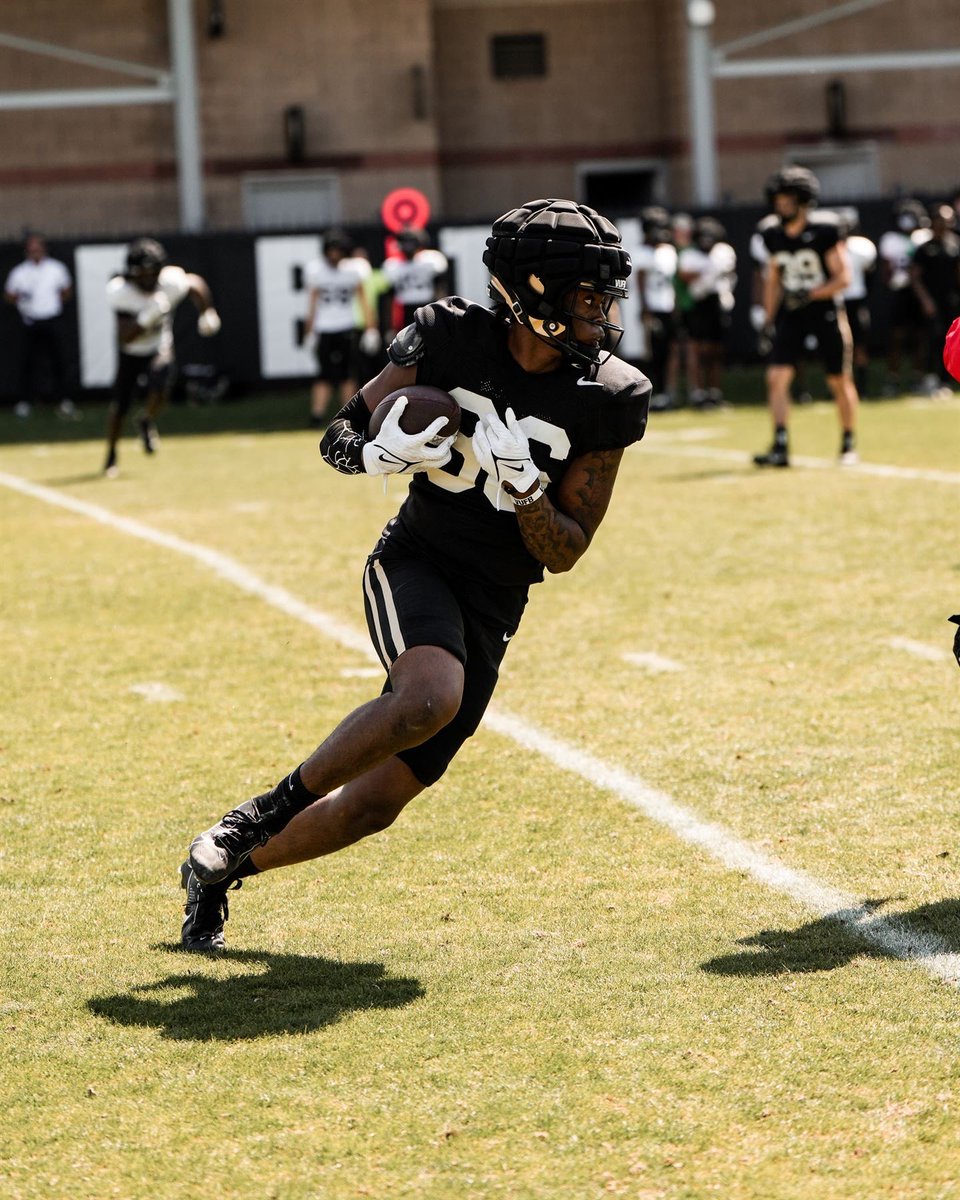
546 414
806 275
145 297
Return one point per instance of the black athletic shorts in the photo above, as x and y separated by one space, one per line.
906 312
139 376
822 321
411 601
707 321
858 314
337 356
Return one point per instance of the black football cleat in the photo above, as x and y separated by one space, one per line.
205 912
776 456
219 851
149 436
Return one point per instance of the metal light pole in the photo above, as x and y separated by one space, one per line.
703 137
186 111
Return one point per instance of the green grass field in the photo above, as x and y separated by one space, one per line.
529 986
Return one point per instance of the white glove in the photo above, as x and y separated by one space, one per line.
153 312
504 452
758 317
208 323
370 340
392 451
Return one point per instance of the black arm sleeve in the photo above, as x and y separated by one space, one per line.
342 444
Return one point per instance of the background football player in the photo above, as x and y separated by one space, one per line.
910 229
656 270
546 412
145 297
862 258
416 275
935 279
335 283
805 277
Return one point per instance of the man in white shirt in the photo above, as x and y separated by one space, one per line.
145 297
335 282
38 288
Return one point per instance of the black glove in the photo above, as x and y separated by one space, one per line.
956 639
794 300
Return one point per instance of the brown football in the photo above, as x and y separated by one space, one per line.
424 405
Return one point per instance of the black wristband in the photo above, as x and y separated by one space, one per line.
342 444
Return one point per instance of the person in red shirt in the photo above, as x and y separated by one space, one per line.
951 350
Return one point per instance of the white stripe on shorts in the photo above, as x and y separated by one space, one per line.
386 608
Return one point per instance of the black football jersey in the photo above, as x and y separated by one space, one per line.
802 259
455 513
937 261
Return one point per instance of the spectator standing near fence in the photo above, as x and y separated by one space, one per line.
39 287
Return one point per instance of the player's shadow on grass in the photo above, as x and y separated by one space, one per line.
294 994
833 941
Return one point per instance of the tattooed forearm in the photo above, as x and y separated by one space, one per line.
552 538
557 535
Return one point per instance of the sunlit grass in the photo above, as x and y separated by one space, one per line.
524 988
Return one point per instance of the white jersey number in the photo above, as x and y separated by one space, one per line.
537 430
800 270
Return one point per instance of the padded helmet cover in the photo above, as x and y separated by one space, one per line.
541 250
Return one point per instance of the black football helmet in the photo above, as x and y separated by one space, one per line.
910 214
707 232
412 240
145 257
795 181
541 252
336 239
655 223
848 220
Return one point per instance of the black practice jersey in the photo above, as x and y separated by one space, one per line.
802 259
936 262
455 513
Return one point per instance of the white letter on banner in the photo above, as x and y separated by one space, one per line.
95 267
280 304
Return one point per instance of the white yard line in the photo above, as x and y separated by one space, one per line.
920 649
157 693
928 951
879 470
649 660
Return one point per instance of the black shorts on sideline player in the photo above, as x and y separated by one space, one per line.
409 601
821 320
337 356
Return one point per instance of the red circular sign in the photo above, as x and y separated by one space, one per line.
405 208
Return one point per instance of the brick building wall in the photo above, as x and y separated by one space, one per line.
614 96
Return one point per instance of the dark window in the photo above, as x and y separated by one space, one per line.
518 55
